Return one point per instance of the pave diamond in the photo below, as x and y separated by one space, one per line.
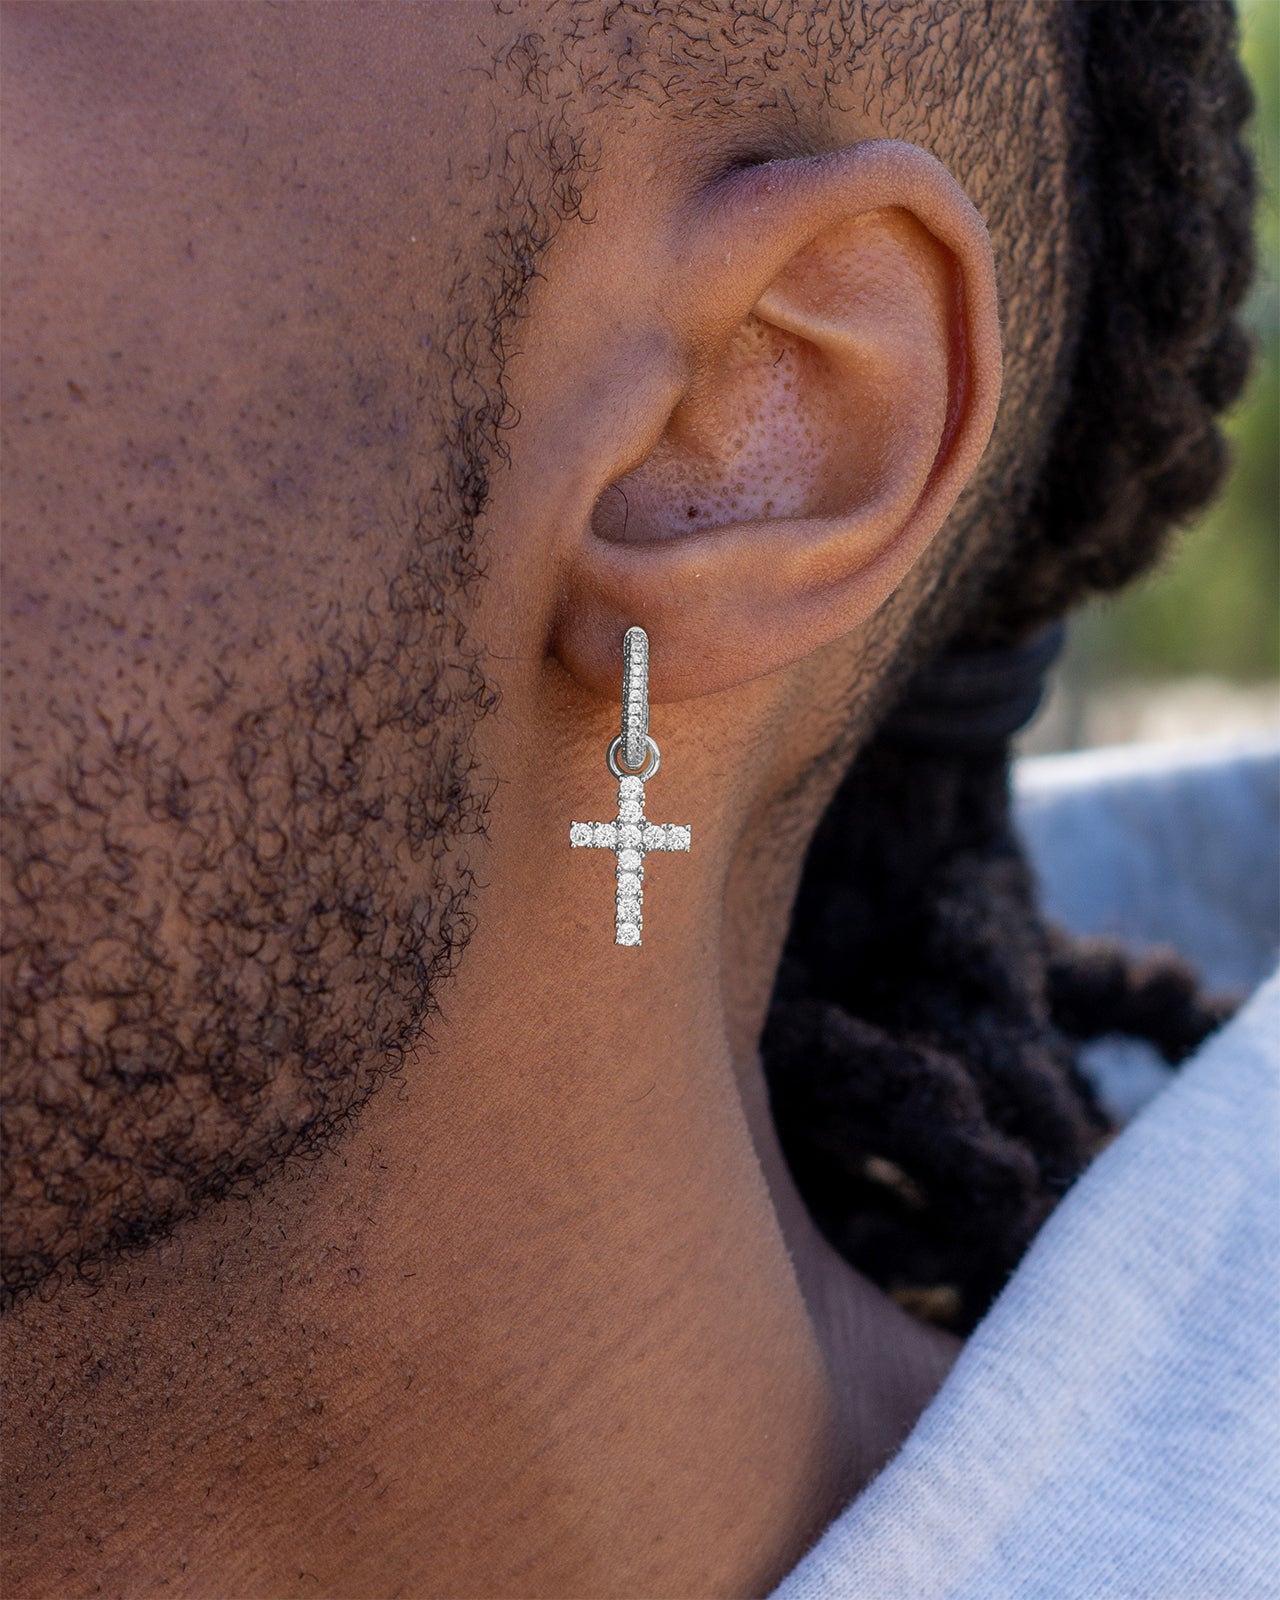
635 695
666 836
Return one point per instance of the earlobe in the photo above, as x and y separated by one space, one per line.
840 315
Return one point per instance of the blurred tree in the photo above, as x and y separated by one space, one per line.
1213 606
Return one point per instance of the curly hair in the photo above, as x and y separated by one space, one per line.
921 1047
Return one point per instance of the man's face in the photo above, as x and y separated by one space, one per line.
244 419
265 271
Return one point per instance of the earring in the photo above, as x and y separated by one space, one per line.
629 835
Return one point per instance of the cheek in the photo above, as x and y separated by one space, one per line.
163 509
183 517
209 437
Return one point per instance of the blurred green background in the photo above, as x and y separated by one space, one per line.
1212 609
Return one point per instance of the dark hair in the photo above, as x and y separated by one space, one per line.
922 1040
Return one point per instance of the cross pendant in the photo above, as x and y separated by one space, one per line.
629 835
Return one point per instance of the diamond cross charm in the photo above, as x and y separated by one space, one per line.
630 836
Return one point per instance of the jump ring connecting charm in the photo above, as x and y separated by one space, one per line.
630 835
649 750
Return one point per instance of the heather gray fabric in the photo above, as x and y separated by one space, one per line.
1112 1427
1163 844
1173 845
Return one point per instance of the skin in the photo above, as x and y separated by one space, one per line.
547 1316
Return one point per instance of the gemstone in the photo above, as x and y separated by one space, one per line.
628 933
631 861
628 883
628 835
603 832
630 789
679 837
581 833
630 810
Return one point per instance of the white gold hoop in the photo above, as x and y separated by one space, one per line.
635 698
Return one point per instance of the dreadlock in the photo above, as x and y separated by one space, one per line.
921 1047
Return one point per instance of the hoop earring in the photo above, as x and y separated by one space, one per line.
633 759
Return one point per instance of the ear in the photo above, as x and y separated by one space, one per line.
838 322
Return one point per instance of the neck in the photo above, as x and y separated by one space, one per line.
551 1319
